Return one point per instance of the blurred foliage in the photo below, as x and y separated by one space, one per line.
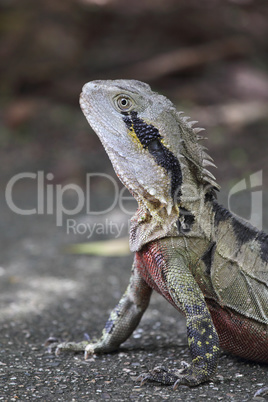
210 57
54 47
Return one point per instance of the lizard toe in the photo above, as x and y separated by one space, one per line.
190 375
71 347
158 374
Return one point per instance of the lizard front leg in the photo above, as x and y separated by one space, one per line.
123 319
172 277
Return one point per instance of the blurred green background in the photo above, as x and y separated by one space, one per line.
210 57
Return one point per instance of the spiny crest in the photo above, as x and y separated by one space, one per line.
196 153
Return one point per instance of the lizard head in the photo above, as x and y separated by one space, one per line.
154 150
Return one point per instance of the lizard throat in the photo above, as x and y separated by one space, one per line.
149 138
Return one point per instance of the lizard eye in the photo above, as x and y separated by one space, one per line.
124 103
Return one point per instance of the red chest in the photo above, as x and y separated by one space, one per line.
153 267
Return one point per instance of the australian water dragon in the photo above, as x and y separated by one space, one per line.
208 264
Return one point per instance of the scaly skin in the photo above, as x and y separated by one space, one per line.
209 265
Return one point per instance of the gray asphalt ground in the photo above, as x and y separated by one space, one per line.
45 292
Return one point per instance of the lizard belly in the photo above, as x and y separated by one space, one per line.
238 334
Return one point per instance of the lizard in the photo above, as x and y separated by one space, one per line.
209 264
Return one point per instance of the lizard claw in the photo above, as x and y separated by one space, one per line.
70 347
261 392
51 343
142 378
89 351
176 384
185 376
158 374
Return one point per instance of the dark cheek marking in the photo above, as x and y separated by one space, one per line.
150 137
145 132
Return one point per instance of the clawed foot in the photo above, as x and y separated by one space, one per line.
54 344
160 374
72 347
87 347
188 375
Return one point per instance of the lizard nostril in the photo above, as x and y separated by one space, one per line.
89 86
